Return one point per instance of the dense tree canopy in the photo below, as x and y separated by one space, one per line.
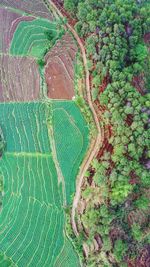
113 31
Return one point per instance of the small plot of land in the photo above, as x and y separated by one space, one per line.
67 257
5 261
59 71
19 79
9 21
71 141
32 38
24 126
35 7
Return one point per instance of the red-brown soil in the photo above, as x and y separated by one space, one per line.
9 22
19 79
59 70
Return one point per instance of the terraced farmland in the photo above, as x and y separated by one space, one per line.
32 219
71 139
25 128
31 37
9 22
44 138
13 74
67 257
60 61
34 7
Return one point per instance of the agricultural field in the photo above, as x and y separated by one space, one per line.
67 257
32 38
9 22
59 70
43 139
14 73
32 207
35 7
70 135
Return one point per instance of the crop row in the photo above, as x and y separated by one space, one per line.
9 22
71 140
33 37
25 127
14 84
34 7
67 257
32 220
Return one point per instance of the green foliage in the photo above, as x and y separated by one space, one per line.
71 5
113 33
87 192
95 93
120 191
119 250
141 52
106 243
142 203
136 232
90 218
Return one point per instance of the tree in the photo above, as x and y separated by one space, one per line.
141 52
120 191
120 249
118 152
70 5
90 218
142 203
136 232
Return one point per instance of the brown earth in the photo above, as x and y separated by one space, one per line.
59 70
19 79
34 7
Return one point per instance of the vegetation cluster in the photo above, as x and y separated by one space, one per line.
116 190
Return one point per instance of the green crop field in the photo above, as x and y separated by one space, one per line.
46 141
71 139
5 261
32 220
32 38
31 210
24 127
67 257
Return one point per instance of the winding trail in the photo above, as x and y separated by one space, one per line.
95 144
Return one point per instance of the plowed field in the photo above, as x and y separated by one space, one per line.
19 79
59 71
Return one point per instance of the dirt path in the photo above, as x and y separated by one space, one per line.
95 144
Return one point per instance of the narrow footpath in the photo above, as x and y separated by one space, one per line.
95 144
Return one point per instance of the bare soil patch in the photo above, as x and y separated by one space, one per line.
19 79
59 70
